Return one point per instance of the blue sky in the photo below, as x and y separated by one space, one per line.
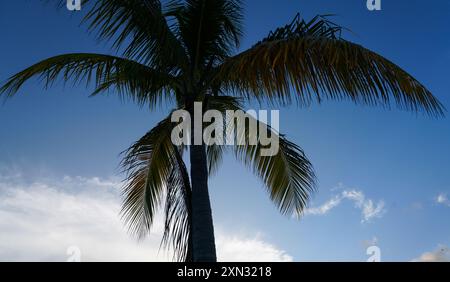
398 161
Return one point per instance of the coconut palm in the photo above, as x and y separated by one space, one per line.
186 51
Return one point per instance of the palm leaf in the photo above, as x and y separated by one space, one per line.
319 26
318 65
288 176
140 83
142 28
210 29
156 174
178 211
148 165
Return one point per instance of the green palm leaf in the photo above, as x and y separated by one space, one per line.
178 211
288 175
142 84
320 66
148 165
156 175
319 26
210 30
139 26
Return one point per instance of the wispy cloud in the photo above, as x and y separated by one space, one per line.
369 209
442 199
440 254
41 218
324 208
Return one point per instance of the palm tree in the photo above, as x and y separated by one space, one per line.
187 51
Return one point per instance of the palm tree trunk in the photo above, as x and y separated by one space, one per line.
204 249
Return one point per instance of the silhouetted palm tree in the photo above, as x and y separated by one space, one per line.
186 51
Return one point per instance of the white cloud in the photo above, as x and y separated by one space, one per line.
40 219
442 199
324 208
236 248
369 209
440 254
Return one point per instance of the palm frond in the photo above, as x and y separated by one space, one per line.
317 67
156 174
178 212
288 175
210 29
319 26
140 83
141 26
148 164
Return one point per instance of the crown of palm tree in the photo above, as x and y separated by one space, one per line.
188 50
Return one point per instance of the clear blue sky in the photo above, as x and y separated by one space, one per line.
397 157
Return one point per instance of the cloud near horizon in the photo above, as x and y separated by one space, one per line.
40 220
440 254
369 210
